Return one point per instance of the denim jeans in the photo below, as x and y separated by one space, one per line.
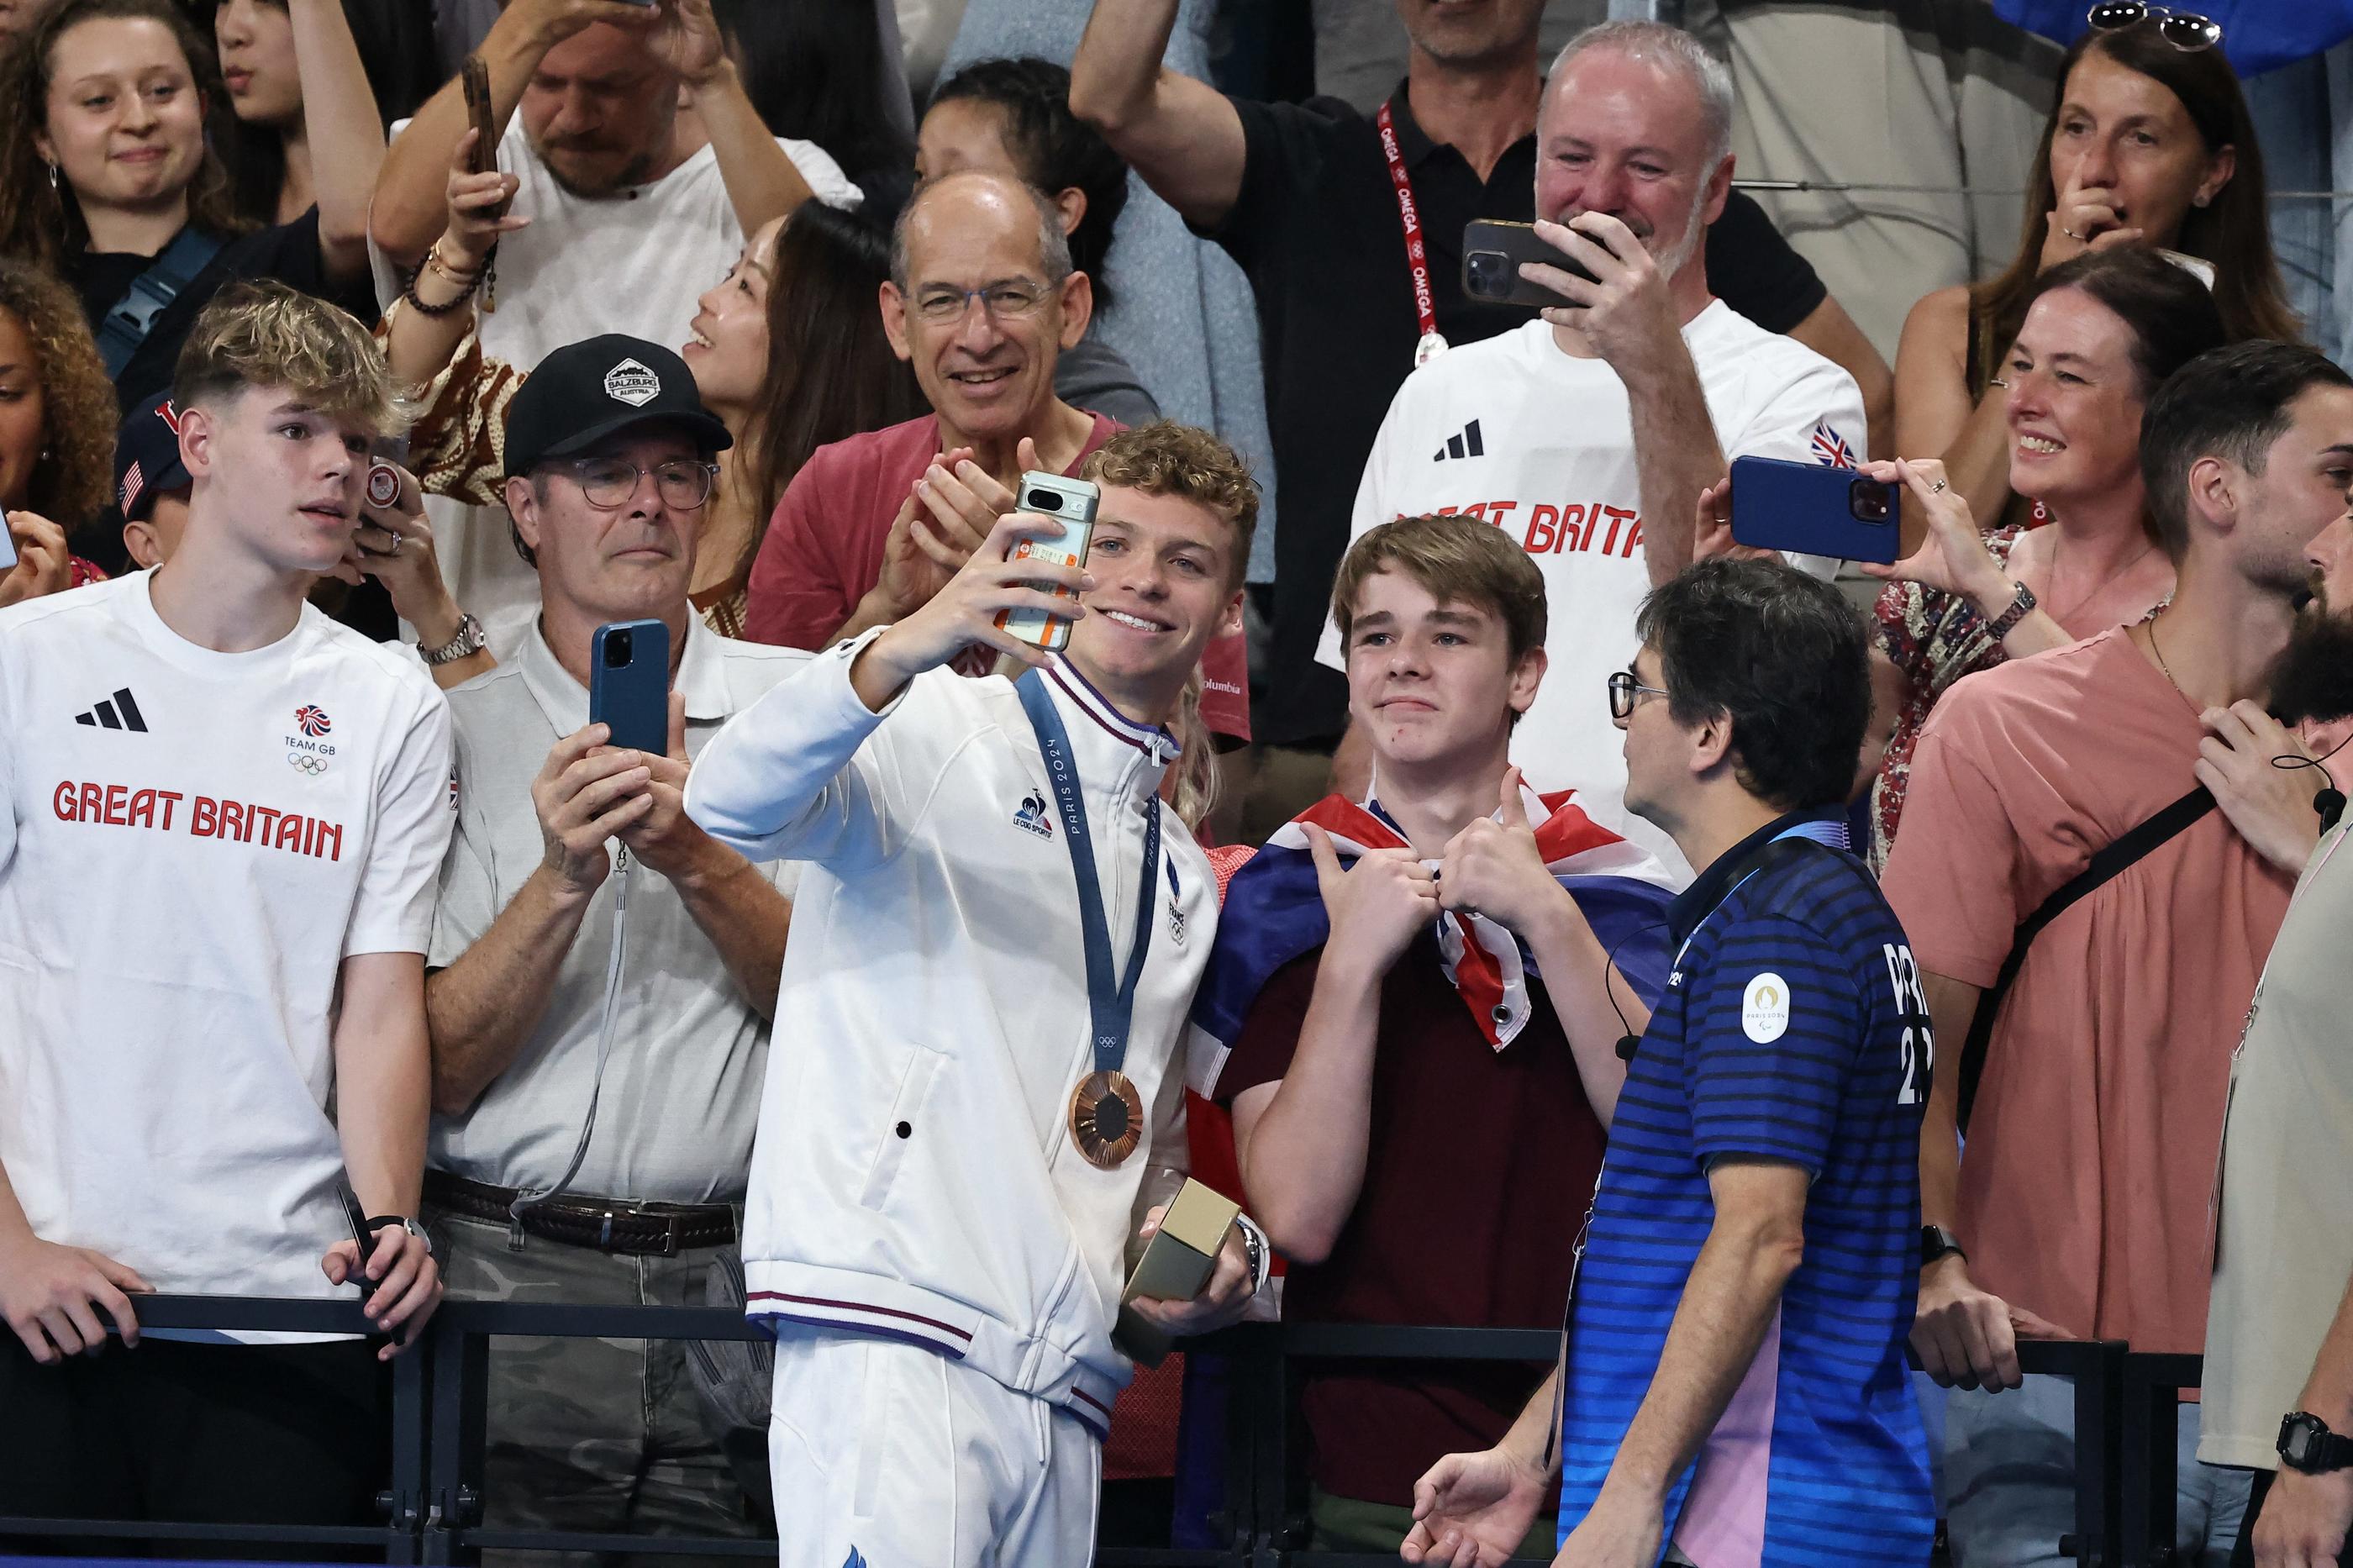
2010 1481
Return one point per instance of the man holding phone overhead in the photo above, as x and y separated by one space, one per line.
977 1086
591 1141
1590 435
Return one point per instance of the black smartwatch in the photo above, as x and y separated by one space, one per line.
1935 1242
2306 1443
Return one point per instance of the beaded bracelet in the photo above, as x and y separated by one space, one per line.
466 288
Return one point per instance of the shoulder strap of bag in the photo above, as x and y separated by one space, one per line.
134 315
2129 846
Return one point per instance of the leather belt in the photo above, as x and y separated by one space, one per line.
577 1219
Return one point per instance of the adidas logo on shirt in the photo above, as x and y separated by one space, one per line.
1464 443
117 712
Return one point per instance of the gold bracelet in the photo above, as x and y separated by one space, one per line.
447 274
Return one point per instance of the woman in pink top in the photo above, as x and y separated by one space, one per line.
2102 332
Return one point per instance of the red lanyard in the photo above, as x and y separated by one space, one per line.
1433 344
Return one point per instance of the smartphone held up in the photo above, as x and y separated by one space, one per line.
1071 503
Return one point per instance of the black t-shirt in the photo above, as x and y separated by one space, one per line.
1315 229
287 252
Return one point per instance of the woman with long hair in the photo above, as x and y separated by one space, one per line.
2149 144
57 432
2100 333
291 122
107 176
787 351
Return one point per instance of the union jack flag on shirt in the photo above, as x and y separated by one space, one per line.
1273 912
1830 446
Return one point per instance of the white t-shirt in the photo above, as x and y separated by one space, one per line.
1541 443
632 262
191 843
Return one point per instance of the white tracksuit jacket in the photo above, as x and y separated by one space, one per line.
913 1174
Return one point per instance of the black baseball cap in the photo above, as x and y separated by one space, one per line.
586 391
147 457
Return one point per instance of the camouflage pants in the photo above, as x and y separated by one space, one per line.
592 1435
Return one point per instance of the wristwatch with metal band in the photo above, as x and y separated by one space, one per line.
469 640
2021 604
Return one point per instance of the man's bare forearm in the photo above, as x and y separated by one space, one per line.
1676 457
1183 136
761 178
1728 1302
1304 1164
1952 1007
410 205
747 919
480 1010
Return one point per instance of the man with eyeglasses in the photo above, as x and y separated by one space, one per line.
1732 1388
982 302
609 454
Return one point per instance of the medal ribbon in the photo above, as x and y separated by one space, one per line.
1113 1007
1417 260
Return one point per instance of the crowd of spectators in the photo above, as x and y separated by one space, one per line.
1914 956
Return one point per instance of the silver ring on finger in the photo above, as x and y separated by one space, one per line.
2071 234
1938 488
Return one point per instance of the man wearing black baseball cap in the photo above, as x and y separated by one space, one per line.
608 456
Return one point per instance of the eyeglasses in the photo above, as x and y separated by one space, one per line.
2185 30
1015 297
1625 691
609 482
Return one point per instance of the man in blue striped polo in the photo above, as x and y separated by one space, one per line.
1732 1392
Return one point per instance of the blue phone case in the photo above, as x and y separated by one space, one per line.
629 684
1813 509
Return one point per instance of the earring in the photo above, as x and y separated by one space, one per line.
2199 200
53 177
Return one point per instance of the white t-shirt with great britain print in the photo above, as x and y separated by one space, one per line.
191 842
1541 443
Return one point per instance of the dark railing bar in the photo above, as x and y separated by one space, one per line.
571 1320
123 1530
1389 1341
593 1541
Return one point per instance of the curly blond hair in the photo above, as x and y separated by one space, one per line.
263 333
72 481
1167 458
43 220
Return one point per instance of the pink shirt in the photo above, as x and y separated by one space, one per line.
824 547
2091 1154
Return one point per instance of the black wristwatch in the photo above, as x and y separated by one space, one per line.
2306 1443
1935 1241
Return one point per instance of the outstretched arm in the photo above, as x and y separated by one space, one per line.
339 123
1182 135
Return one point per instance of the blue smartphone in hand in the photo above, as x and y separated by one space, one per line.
629 684
1814 510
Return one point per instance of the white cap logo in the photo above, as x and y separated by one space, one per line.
1764 1008
631 383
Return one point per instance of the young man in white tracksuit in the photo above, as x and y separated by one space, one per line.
976 1054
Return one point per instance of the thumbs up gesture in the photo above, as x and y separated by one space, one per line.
1377 906
1492 867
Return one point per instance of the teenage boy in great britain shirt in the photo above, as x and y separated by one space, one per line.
221 816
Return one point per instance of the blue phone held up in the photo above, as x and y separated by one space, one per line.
629 684
1814 510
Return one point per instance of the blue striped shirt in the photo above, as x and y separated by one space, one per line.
1793 1028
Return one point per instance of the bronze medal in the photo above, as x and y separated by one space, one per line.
1106 1119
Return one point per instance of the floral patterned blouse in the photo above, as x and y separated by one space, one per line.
1932 638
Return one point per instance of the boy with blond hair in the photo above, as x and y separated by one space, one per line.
221 815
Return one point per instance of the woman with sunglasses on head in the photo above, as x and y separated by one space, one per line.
2149 144
2101 332
57 433
786 351
108 177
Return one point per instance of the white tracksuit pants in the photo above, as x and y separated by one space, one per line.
887 1455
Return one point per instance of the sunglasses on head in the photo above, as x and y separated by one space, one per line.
2185 30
